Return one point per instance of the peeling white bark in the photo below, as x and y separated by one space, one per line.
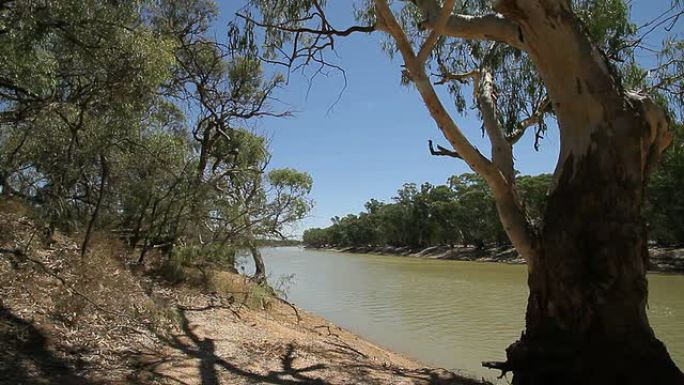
581 87
587 266
502 151
484 27
582 90
512 216
658 137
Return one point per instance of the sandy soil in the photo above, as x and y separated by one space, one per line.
67 320
224 346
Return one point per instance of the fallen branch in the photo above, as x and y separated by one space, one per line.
236 313
328 327
15 252
299 318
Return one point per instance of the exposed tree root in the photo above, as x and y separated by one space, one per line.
589 361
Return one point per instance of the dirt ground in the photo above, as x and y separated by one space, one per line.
98 319
220 346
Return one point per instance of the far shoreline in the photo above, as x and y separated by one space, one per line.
662 259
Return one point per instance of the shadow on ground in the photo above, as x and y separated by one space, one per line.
25 358
343 363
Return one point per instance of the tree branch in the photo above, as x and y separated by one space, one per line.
543 108
512 216
432 39
441 151
484 93
323 31
491 26
462 78
502 151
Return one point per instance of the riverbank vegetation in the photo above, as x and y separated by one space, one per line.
134 119
133 123
463 212
104 319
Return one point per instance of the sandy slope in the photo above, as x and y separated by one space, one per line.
255 347
68 320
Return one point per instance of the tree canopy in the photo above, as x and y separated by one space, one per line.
133 118
462 211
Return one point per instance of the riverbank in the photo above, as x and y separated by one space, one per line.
663 259
274 346
68 320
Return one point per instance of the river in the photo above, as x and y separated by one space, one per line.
449 314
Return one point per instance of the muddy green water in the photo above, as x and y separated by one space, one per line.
444 313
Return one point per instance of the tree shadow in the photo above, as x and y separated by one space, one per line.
204 350
25 358
342 359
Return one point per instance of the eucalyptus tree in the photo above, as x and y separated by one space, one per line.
223 87
476 212
528 61
75 81
316 237
532 191
222 84
252 202
128 116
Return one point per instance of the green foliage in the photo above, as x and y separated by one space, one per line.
128 117
463 212
533 190
296 35
213 254
668 77
664 206
317 237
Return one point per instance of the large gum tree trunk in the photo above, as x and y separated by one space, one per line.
586 319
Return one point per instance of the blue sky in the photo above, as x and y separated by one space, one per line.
374 138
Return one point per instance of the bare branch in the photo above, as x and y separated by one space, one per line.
323 31
535 118
441 151
512 215
462 78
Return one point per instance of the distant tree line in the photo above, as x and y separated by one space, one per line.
460 212
132 118
463 212
664 203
